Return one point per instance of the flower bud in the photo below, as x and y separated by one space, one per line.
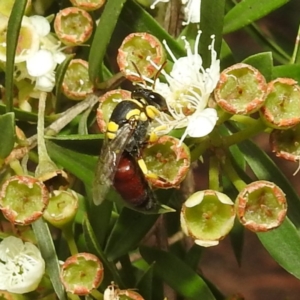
88 5
76 84
107 104
136 50
207 217
67 29
23 199
62 208
241 89
81 273
281 109
285 143
261 206
167 160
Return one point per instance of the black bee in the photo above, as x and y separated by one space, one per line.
119 160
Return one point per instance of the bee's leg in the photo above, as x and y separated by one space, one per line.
145 170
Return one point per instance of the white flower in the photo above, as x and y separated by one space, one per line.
41 66
187 92
21 266
190 9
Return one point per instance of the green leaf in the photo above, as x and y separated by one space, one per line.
186 282
60 74
23 115
145 285
289 71
110 273
79 164
263 62
46 246
13 30
212 17
102 37
283 244
7 134
130 228
248 11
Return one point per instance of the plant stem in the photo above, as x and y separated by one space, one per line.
232 174
244 134
69 237
214 182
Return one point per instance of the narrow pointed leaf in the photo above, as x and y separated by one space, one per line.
177 274
248 11
128 231
212 16
13 29
46 246
283 244
105 28
7 134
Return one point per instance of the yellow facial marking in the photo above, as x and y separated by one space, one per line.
143 117
152 111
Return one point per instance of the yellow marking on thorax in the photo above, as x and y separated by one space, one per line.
134 113
110 135
112 126
141 105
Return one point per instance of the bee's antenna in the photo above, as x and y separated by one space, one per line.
158 73
139 73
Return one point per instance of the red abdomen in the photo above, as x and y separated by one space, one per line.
131 183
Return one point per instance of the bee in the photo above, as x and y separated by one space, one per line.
120 163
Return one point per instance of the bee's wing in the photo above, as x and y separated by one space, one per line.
108 162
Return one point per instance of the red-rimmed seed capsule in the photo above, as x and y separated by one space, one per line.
241 89
167 161
281 109
285 143
81 273
261 206
134 54
88 5
23 199
67 29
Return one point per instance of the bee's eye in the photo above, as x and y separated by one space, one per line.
158 100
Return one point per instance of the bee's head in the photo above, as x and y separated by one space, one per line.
152 98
